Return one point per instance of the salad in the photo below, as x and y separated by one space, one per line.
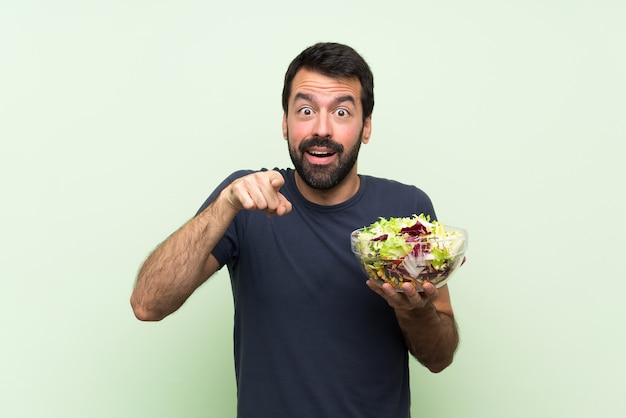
410 249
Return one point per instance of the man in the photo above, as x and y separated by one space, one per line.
311 338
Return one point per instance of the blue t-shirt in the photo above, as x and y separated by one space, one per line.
310 338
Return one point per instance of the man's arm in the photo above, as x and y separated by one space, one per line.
184 261
180 264
427 322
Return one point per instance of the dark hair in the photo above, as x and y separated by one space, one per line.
336 61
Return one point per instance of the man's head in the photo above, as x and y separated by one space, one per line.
336 61
328 101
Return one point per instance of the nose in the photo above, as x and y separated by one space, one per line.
322 127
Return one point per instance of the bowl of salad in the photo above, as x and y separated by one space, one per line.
412 250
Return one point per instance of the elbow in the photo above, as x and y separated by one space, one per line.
144 313
439 367
435 362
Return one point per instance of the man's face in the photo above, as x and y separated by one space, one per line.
324 128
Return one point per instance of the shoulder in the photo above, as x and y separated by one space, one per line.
387 186
397 197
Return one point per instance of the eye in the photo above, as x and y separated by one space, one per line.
342 112
305 111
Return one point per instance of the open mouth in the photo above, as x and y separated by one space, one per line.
320 150
320 156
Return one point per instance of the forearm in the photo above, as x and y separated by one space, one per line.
431 336
179 265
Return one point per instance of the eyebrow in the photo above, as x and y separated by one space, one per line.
338 100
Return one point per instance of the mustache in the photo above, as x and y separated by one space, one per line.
318 141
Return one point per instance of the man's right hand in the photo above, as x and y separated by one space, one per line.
258 191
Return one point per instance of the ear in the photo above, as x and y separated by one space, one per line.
367 130
285 126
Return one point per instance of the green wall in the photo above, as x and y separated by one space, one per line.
118 118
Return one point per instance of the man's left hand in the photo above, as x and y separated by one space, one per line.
407 300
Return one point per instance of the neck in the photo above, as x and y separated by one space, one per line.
333 196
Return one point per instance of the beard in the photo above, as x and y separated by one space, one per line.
324 176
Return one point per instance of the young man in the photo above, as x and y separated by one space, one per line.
311 338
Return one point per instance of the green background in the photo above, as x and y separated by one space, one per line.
117 118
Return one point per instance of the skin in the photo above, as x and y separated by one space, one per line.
323 107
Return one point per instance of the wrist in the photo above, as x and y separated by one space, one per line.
223 207
417 311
